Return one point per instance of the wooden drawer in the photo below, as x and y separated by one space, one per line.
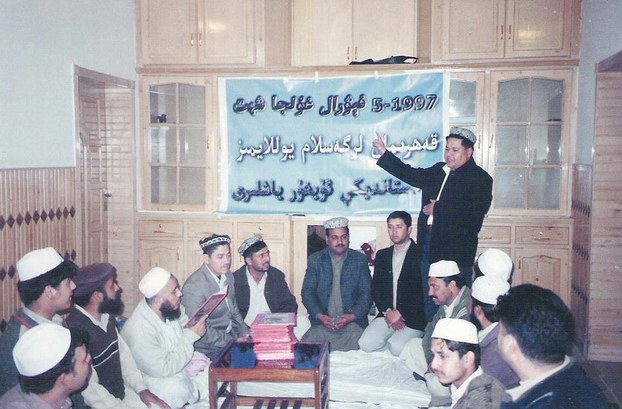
542 235
269 231
161 228
494 235
199 229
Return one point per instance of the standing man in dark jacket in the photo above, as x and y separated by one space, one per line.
395 290
455 197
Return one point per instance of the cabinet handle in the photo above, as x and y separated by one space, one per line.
519 263
492 138
510 32
348 53
200 39
541 239
485 238
160 231
192 40
178 253
501 32
356 53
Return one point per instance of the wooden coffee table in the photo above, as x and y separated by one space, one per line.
237 363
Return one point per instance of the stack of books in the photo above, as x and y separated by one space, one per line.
273 336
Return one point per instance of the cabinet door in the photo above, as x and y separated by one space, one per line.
179 160
384 28
167 254
472 29
538 28
321 32
226 32
167 32
466 108
546 268
529 156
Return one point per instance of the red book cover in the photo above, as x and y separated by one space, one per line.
207 308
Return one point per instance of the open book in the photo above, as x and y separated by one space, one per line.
207 308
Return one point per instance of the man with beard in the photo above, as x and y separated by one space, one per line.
161 345
225 323
45 287
337 290
116 381
449 292
261 288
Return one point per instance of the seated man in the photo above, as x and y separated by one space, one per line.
495 263
45 287
53 363
337 290
536 331
261 288
225 323
116 381
484 294
162 347
448 291
396 290
456 361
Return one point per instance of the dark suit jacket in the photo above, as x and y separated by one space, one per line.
355 286
458 215
277 293
409 295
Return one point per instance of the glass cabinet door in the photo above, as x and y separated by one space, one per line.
530 154
177 144
466 107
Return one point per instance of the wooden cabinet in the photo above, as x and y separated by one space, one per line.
161 245
171 241
336 32
539 248
492 29
546 268
179 158
522 121
196 32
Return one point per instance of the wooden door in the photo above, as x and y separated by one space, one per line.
472 29
538 28
322 32
93 172
384 28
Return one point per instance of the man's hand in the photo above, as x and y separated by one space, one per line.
379 145
343 320
199 328
149 398
429 208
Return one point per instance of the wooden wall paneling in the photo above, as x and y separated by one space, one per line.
37 209
605 305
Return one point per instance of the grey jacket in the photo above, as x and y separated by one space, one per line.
198 287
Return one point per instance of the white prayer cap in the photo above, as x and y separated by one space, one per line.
456 329
495 262
41 348
154 281
37 262
336 223
444 268
487 289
